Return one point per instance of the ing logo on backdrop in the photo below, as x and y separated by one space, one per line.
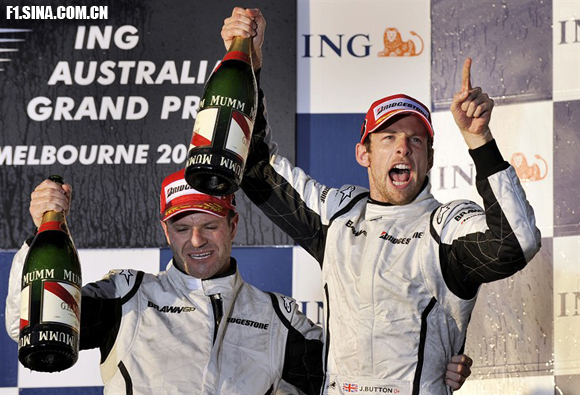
360 45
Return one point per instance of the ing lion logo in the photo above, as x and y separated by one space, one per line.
525 171
395 46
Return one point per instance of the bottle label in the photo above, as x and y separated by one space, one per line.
204 128
239 134
25 307
61 303
237 55
52 225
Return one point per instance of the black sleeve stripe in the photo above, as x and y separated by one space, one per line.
127 377
348 207
421 351
327 344
110 336
432 230
302 359
135 288
278 311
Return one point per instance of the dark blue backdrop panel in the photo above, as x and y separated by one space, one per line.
62 391
269 269
165 257
326 148
8 348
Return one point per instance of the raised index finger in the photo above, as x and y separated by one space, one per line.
466 78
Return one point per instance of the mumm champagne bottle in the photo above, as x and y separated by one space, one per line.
224 123
51 298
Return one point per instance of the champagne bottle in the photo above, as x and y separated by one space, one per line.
224 123
50 298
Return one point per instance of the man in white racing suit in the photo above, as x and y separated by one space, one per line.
401 271
196 328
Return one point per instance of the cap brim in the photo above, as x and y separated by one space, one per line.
173 211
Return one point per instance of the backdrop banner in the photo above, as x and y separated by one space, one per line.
110 105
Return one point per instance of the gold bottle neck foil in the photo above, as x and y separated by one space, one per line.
51 216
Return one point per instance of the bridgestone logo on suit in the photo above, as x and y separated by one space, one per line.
251 323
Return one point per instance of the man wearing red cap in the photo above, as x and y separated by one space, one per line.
196 328
401 271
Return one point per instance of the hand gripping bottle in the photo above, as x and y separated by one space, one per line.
51 298
224 123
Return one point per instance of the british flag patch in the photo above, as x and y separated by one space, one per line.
349 387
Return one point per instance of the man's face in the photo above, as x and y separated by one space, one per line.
201 242
398 160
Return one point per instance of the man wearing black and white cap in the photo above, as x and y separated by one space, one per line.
401 271
195 328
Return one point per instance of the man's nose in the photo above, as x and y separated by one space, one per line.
403 147
198 238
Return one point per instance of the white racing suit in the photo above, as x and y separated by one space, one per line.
172 334
400 282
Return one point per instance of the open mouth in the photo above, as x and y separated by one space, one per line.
200 256
400 174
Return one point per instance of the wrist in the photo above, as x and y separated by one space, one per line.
488 160
474 141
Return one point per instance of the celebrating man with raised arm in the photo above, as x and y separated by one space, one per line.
401 288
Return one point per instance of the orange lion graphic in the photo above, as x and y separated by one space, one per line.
395 46
525 171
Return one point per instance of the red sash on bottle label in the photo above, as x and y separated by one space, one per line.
64 295
52 225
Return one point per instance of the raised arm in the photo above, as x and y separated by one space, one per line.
300 206
491 244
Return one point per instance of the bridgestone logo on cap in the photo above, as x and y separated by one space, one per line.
399 104
177 189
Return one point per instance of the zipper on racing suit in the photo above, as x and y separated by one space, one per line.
218 312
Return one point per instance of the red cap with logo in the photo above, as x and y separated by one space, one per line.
177 196
384 109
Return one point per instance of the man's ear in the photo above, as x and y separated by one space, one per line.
164 226
430 155
362 155
234 226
